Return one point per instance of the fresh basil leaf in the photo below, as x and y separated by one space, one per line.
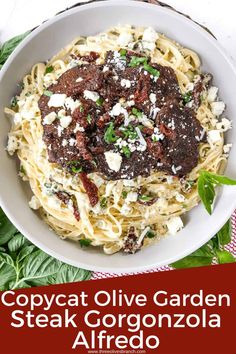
206 192
17 242
224 256
2 249
206 187
39 265
70 274
7 229
7 276
219 179
50 280
202 257
6 258
224 235
192 261
24 252
8 47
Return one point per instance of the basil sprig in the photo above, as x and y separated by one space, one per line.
206 187
214 250
23 265
7 48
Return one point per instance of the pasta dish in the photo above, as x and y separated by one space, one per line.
111 134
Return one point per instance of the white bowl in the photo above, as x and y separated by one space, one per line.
42 44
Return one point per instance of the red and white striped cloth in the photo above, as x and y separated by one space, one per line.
231 247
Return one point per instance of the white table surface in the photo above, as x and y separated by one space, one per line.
17 16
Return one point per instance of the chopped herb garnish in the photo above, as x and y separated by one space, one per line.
206 187
136 61
48 93
99 102
145 198
22 170
49 69
21 85
126 151
187 97
85 242
136 112
151 70
123 52
14 102
110 135
75 166
103 203
124 194
81 109
150 234
89 118
129 132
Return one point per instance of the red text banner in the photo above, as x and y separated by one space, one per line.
183 311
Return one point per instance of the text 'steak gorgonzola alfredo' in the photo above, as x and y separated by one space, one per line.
111 134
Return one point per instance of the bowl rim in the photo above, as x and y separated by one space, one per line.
84 6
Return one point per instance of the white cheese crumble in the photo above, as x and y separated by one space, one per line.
150 35
12 144
65 121
141 138
78 128
149 39
212 94
17 118
28 115
72 141
34 203
179 197
117 110
153 98
57 100
157 135
125 83
143 234
71 104
124 39
91 95
131 197
80 79
226 148
114 160
217 108
64 142
174 225
224 125
49 118
129 183
213 136
125 209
